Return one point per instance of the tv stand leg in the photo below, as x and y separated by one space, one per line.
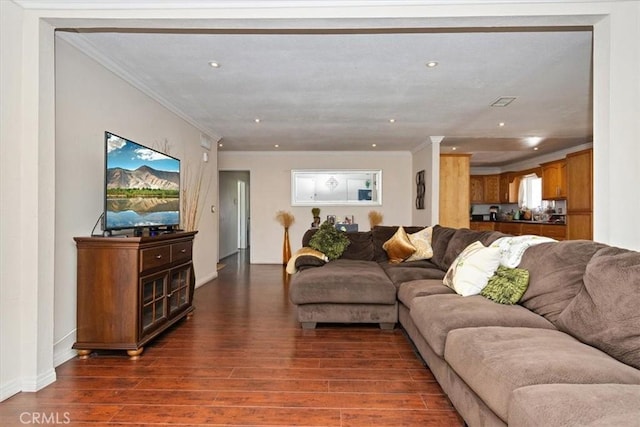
84 354
135 354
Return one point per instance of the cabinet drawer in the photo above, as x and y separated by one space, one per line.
155 257
558 232
514 229
531 229
181 251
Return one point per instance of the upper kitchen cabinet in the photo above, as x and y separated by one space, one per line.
484 189
554 180
508 187
476 189
492 188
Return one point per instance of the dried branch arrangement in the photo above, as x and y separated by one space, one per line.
375 218
285 218
191 194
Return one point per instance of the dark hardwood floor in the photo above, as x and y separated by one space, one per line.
242 360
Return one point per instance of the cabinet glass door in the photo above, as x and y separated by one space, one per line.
179 288
153 301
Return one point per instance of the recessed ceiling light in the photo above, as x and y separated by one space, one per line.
220 144
392 120
432 64
454 148
214 64
257 120
374 145
501 124
535 148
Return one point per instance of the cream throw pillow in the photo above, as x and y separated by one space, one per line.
422 242
471 270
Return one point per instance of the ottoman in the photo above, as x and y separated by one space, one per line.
344 291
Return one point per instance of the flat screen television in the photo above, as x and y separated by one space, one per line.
141 187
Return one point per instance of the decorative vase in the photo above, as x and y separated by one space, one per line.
286 247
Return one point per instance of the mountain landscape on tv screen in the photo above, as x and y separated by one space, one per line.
144 177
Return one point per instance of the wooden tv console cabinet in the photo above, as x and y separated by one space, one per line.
130 289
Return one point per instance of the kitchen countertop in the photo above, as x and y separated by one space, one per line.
524 221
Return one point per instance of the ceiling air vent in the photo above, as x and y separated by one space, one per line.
503 101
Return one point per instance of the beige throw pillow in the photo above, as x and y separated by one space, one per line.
422 242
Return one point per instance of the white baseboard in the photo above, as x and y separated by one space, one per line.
62 350
32 384
201 281
9 388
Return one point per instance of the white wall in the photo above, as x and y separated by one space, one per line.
90 100
427 157
10 212
271 192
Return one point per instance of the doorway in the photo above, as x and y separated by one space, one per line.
234 212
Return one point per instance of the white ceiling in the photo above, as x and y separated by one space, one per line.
337 89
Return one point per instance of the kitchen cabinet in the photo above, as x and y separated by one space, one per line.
513 228
580 194
554 231
554 180
508 183
492 188
454 190
476 189
482 225
484 189
129 290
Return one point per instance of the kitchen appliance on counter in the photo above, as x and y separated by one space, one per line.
493 213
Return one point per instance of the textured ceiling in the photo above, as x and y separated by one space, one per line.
338 89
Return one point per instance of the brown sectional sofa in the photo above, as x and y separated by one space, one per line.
568 354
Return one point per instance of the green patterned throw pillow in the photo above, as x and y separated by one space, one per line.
507 285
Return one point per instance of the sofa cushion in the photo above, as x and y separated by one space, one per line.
439 241
421 240
360 246
398 247
409 290
611 405
471 270
436 315
555 274
605 312
343 281
495 361
381 234
414 270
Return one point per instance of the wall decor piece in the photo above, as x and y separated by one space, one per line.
331 187
420 190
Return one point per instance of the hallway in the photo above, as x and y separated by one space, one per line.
243 360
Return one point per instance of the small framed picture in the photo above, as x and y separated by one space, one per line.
331 219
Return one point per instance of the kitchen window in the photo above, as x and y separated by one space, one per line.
530 192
